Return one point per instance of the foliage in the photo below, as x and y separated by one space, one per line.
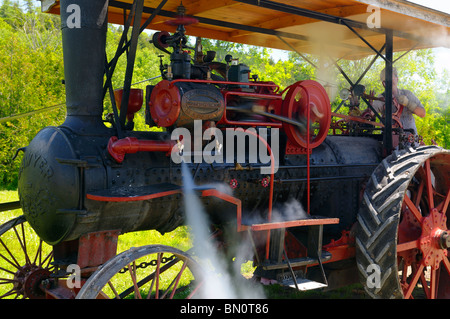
32 70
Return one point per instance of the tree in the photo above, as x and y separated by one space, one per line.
31 79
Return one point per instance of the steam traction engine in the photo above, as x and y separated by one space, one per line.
82 184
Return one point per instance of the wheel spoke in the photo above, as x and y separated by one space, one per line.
6 270
419 193
5 281
413 208
15 263
22 244
404 273
38 254
433 283
413 282
47 260
176 281
10 293
114 290
424 282
195 290
132 271
407 246
446 202
158 264
447 264
155 278
429 184
24 238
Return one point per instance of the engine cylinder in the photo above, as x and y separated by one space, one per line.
180 103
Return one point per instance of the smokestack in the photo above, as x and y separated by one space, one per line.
84 25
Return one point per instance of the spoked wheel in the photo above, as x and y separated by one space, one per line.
148 272
404 227
25 261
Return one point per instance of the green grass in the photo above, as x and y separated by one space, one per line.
5 197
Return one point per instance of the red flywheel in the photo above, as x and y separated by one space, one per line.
295 106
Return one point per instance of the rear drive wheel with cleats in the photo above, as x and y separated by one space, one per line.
403 232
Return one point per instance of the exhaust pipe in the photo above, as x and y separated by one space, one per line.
84 25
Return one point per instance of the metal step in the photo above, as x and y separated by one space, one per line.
305 284
285 278
295 262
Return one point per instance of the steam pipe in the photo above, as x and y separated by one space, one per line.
119 148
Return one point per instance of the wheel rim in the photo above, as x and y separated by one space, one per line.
25 261
423 237
148 272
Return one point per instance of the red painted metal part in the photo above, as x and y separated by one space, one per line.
165 104
293 247
356 119
230 199
134 103
118 148
131 198
94 249
294 223
61 291
342 248
423 237
315 105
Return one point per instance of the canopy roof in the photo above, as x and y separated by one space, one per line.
336 27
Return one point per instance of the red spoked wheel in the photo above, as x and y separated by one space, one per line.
424 236
403 226
295 106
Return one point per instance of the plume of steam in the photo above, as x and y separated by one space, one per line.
218 281
291 210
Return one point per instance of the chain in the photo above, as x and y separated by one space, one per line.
153 262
